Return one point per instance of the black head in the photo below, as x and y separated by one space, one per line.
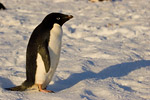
56 18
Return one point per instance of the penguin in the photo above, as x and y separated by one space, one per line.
2 7
43 53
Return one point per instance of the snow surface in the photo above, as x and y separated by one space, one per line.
105 52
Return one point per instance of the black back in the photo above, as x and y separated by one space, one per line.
38 43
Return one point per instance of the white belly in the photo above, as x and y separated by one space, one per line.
54 48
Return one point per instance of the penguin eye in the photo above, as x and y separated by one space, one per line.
58 18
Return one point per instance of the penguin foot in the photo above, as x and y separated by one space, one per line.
44 90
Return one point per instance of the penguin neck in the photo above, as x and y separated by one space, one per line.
56 31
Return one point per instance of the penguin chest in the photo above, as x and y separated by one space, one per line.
54 45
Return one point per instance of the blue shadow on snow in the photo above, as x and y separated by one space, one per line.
4 82
118 70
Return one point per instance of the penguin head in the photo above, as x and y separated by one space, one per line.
58 18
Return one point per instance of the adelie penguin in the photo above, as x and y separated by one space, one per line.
43 53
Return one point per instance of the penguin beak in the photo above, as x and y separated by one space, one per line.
69 17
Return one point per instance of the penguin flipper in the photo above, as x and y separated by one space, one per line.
44 52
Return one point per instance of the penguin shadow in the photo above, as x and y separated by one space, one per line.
5 83
118 70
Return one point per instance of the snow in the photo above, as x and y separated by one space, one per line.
105 52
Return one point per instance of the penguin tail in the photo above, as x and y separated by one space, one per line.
22 87
17 88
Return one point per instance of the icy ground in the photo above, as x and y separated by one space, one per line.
105 52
